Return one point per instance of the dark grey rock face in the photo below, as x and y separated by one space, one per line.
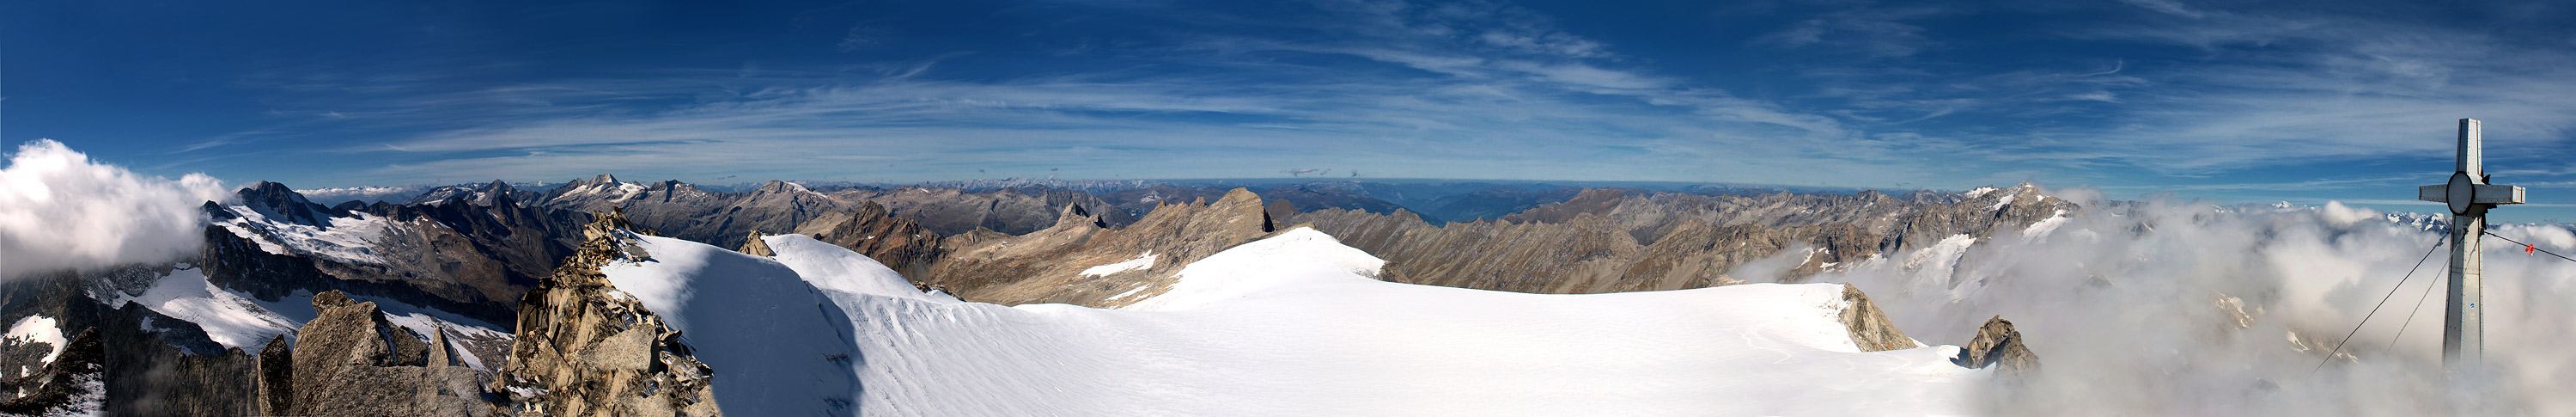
283 204
469 254
74 384
154 365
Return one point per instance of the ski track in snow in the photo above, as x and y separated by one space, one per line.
1293 324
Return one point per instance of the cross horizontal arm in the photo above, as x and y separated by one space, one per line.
2485 194
2496 194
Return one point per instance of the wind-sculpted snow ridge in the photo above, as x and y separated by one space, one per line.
1293 324
777 345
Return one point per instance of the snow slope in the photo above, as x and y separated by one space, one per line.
236 319
231 319
346 239
1290 325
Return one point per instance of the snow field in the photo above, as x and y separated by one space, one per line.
1290 325
346 239
236 319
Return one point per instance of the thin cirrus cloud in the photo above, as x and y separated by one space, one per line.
1517 96
2234 102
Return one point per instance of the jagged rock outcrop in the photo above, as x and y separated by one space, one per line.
1870 329
585 349
352 361
1056 265
1998 345
752 245
899 243
74 384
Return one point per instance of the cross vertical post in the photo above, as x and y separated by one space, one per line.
2468 195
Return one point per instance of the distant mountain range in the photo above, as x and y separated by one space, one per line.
1435 200
448 271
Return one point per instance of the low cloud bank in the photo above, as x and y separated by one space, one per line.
2177 308
60 210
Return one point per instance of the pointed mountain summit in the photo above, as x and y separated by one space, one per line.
280 203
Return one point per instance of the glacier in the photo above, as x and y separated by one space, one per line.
1292 324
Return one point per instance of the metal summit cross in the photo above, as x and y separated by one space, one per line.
2469 196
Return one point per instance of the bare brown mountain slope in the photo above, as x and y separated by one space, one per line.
1057 264
1608 240
1604 240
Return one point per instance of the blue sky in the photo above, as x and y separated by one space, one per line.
2234 102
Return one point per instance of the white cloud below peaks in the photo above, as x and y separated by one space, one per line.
61 210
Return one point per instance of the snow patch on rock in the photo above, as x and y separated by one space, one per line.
1141 262
38 328
346 239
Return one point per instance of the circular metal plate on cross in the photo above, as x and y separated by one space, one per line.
2459 193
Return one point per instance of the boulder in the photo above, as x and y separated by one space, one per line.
1998 345
1870 329
352 361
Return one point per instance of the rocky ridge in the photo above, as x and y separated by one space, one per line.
873 230
586 349
1061 264
456 255
1608 240
688 212
352 361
